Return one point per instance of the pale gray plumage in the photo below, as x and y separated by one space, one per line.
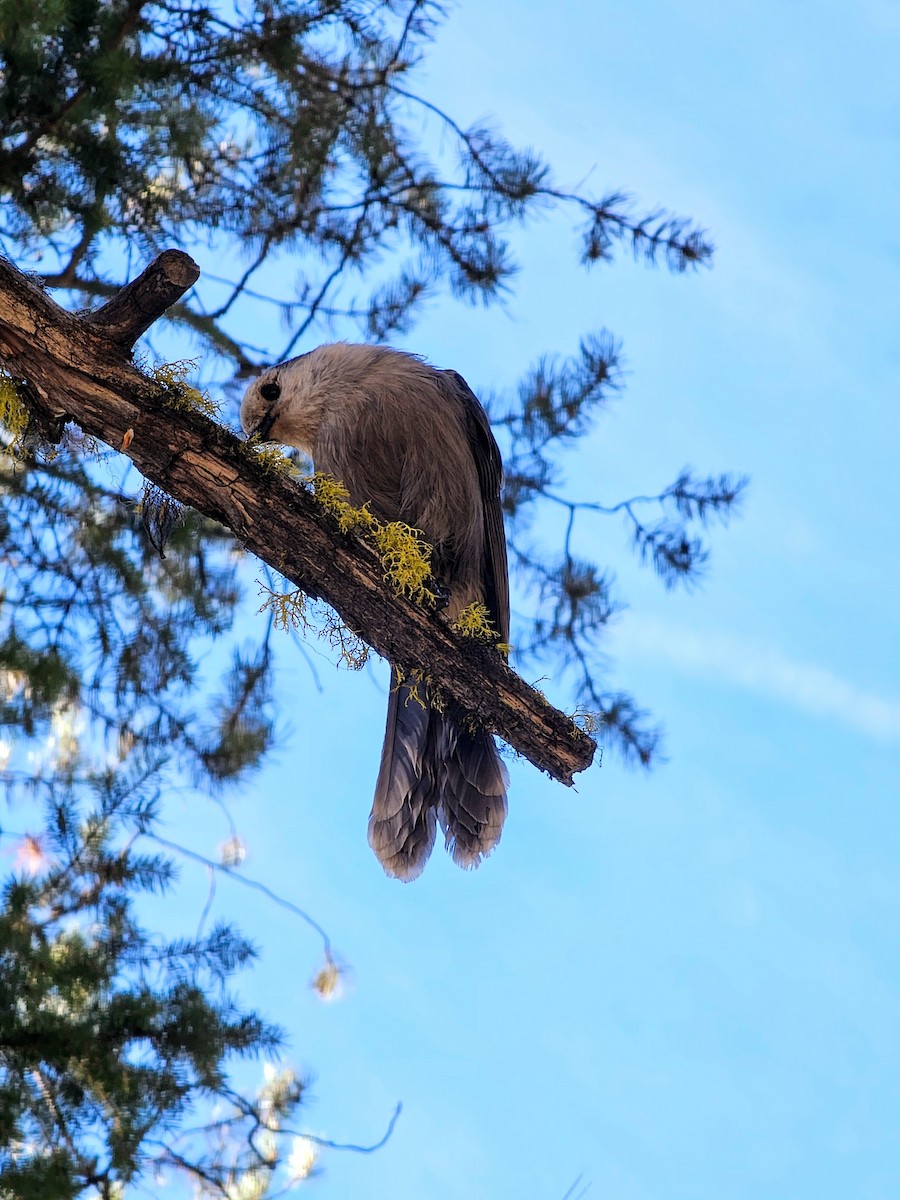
415 444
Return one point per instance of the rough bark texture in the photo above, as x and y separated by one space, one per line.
134 309
76 369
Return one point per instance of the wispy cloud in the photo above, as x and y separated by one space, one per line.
764 669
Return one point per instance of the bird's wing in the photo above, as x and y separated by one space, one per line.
490 477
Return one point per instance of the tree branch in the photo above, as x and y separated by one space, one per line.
133 310
74 370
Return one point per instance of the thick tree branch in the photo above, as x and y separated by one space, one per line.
133 310
76 369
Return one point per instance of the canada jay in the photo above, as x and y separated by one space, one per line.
414 444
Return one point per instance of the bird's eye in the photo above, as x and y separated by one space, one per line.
270 391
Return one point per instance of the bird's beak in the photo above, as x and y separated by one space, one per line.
264 428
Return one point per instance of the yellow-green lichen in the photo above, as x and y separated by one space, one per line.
420 688
293 611
331 494
13 413
406 558
179 394
405 555
268 456
474 621
288 608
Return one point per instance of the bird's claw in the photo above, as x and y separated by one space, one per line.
441 597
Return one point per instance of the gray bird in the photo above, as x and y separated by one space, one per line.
414 443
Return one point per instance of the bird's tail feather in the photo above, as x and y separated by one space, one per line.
472 805
434 768
402 821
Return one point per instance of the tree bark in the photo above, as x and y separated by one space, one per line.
133 310
78 369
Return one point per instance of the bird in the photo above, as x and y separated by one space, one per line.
412 442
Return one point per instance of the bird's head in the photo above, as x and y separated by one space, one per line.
284 405
289 402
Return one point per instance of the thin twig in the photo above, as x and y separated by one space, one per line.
247 882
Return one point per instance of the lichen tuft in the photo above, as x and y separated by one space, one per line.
352 650
176 392
405 555
474 621
587 720
406 558
13 413
268 456
288 608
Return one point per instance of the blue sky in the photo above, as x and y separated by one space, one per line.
682 984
